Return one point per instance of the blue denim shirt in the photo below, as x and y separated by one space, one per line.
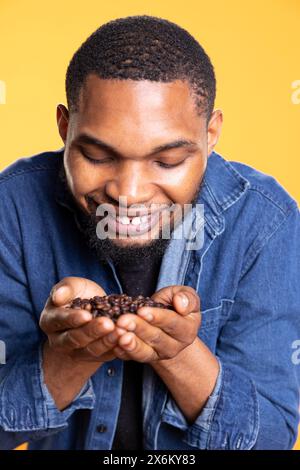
247 274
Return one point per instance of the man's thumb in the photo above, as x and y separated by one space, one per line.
61 295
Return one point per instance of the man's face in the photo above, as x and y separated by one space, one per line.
139 139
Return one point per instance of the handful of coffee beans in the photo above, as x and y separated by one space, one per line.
115 305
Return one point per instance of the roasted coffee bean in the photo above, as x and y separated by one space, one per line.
114 305
132 308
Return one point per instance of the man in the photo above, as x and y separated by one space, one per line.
141 125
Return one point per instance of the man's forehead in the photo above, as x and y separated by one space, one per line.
107 95
145 110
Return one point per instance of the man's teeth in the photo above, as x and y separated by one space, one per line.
134 220
124 220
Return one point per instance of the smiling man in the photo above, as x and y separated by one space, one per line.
215 370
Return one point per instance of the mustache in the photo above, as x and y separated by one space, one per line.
114 210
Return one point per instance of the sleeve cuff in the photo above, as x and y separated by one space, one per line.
85 399
174 416
234 400
26 405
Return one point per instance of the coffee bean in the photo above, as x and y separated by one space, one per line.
132 308
114 305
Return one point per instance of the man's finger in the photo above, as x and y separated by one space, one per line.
77 339
156 337
149 320
100 346
177 326
95 329
71 287
184 299
135 349
59 319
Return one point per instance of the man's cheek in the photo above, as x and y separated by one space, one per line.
84 184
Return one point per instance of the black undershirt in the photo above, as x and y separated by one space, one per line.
136 279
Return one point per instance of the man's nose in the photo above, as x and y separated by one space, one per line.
132 181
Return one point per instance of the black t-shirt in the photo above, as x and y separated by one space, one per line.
136 279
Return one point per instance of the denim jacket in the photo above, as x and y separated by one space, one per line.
247 274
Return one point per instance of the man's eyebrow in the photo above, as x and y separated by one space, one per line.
174 145
90 140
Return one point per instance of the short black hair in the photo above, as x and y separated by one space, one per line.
143 48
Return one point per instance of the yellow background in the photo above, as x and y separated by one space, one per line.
254 47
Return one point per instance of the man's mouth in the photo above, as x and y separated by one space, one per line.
132 226
130 222
137 220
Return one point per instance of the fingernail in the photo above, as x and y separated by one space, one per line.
120 331
130 346
84 316
128 324
112 338
131 326
146 315
106 325
126 343
59 290
184 300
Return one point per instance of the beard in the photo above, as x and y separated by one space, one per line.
106 249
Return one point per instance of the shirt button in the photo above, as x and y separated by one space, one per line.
110 371
101 428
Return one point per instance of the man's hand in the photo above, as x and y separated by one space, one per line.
77 343
75 332
169 342
156 334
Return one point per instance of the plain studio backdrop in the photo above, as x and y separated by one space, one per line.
254 47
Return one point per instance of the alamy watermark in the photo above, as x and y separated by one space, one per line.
157 221
2 92
296 93
2 352
296 353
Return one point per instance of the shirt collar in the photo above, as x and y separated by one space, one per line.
222 187
61 193
224 182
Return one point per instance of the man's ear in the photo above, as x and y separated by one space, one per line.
214 130
62 118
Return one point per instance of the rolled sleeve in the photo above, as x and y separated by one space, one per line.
85 399
174 416
209 430
28 408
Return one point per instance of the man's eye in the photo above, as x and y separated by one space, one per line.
94 161
169 165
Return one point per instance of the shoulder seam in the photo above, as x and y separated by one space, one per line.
24 171
255 250
276 203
